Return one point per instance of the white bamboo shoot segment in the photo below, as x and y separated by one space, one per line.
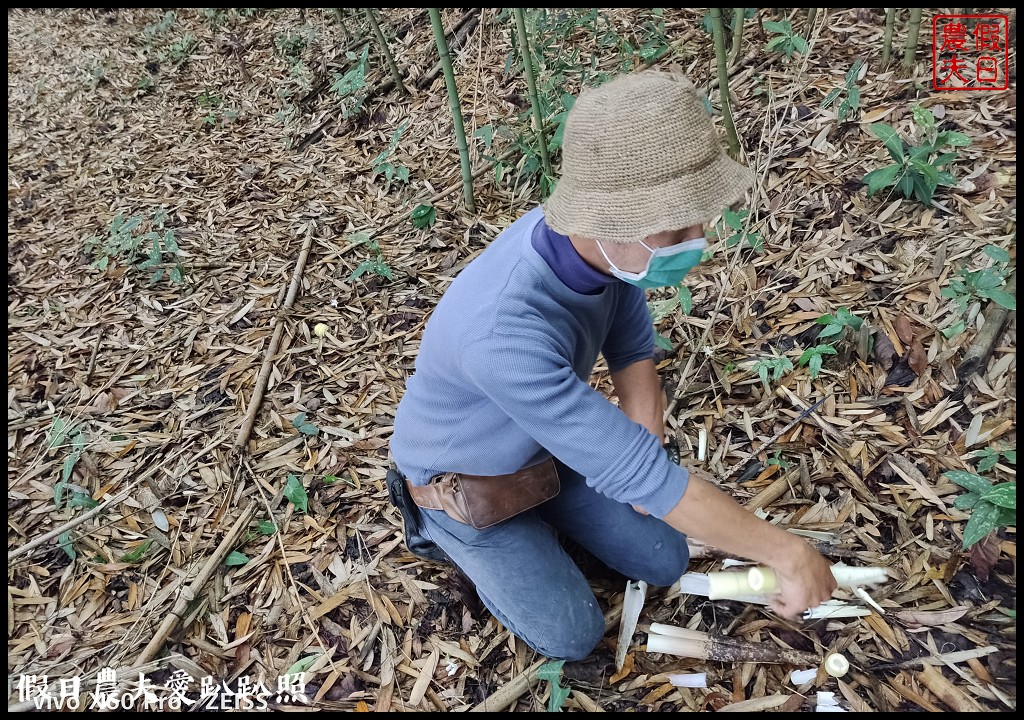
835 609
632 604
799 677
827 703
692 680
702 444
762 580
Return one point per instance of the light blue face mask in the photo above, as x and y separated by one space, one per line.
666 267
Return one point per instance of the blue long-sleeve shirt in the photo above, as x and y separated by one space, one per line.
501 379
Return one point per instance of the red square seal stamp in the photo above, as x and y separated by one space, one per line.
970 52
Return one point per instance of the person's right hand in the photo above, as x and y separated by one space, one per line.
805 580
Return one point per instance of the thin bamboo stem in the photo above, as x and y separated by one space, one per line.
812 13
275 343
723 82
912 32
386 51
172 619
737 34
890 23
453 100
531 85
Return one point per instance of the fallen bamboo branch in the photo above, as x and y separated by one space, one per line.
275 341
984 343
187 595
120 497
510 691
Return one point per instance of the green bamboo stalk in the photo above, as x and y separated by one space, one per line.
737 33
912 33
723 82
386 51
531 85
890 23
453 100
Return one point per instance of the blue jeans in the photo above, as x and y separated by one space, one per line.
530 584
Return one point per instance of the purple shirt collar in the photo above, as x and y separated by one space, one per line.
560 255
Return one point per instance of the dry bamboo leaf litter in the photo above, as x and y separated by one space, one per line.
156 378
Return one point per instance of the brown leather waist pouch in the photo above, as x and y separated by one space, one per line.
484 500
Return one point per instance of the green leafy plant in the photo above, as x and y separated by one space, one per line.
777 459
62 432
158 29
735 222
552 673
123 242
985 283
851 103
836 324
813 357
991 506
988 457
382 163
660 309
786 40
292 44
145 83
916 171
776 366
295 493
235 559
374 265
180 50
300 423
351 87
138 553
423 216
66 544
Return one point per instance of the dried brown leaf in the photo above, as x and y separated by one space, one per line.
985 555
884 351
904 329
917 357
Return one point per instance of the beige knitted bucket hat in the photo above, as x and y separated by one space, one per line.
640 156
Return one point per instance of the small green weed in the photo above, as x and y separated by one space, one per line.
382 163
351 87
991 506
552 673
296 493
851 103
836 324
777 459
776 366
423 216
812 358
375 264
180 50
786 40
124 243
986 283
916 172
735 222
292 44
158 29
